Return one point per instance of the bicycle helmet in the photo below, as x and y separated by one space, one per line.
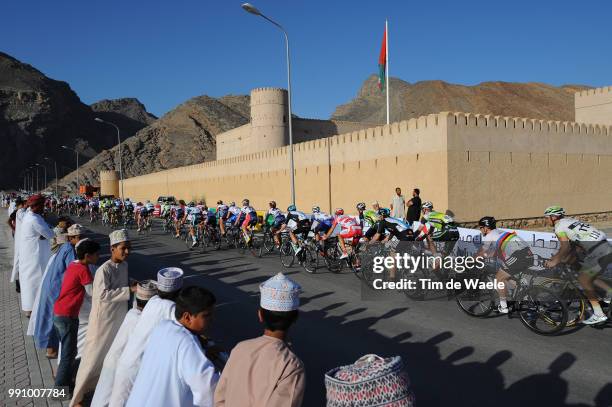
272 204
232 203
245 202
384 212
191 204
361 206
427 205
316 209
219 202
291 208
339 212
488 222
554 211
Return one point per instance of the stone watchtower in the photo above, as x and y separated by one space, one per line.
109 183
269 121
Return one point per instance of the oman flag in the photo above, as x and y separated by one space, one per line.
382 62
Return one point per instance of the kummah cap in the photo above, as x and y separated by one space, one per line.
146 289
370 381
169 279
35 199
280 293
118 236
75 230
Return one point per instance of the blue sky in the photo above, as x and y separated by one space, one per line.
164 52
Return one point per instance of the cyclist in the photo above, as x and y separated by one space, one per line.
246 219
274 219
93 209
298 223
396 227
193 215
437 227
222 212
367 220
321 222
179 216
349 229
595 250
510 252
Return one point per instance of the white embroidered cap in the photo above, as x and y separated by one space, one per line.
118 236
169 279
280 293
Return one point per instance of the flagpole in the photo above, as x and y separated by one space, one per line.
387 65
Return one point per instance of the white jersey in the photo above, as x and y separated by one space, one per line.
577 231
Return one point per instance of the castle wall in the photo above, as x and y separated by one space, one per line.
339 171
472 164
515 167
594 106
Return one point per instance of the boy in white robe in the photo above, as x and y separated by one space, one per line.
160 307
145 291
174 369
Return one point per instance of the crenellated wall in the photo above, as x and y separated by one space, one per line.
594 106
471 164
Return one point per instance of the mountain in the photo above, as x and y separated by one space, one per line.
37 116
533 100
183 136
127 113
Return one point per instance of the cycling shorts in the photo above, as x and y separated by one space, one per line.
231 219
211 221
249 220
321 227
302 227
518 262
278 222
597 260
353 232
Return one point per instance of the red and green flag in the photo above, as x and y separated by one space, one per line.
382 63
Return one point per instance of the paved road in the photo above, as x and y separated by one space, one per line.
452 359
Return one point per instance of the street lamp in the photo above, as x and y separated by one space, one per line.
253 10
55 166
77 157
34 167
119 143
45 168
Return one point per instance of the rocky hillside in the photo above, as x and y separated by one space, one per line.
37 116
183 136
127 113
535 100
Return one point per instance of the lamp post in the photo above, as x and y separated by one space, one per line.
253 10
77 158
44 168
118 143
55 167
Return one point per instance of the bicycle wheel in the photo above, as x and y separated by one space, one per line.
188 240
310 260
332 259
542 311
287 255
475 303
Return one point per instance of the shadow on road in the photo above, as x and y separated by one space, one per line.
324 341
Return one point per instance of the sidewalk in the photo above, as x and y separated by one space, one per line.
22 366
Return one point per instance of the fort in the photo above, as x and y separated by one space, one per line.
469 164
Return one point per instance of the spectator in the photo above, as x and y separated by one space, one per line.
398 204
111 292
144 292
42 317
175 370
159 308
34 251
77 281
414 206
264 372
